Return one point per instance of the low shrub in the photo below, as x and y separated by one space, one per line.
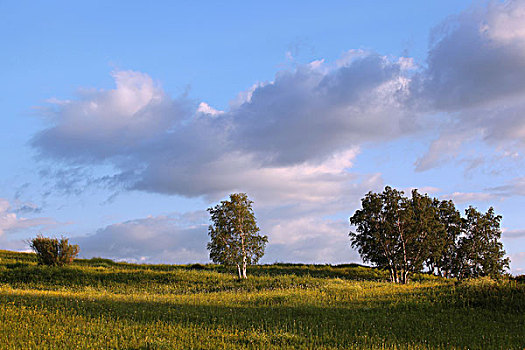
53 252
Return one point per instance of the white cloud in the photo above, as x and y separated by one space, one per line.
476 75
504 22
517 263
177 238
310 240
11 222
467 197
471 62
446 147
514 187
511 234
284 134
103 125
207 109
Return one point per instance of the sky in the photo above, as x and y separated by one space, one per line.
123 121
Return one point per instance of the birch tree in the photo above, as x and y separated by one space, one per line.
378 224
235 239
480 252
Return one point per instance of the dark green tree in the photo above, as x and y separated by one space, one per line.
374 238
422 230
235 238
443 246
479 251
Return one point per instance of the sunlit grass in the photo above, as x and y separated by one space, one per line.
97 304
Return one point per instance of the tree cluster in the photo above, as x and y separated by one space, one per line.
408 235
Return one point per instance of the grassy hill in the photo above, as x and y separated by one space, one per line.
99 304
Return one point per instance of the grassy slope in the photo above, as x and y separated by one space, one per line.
100 304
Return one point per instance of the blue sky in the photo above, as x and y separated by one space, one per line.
123 121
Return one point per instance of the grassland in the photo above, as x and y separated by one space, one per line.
100 304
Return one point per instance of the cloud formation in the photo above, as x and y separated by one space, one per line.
512 234
291 142
476 58
514 187
476 74
474 79
177 238
296 123
10 222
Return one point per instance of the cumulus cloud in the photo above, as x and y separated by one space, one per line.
207 109
177 238
182 239
476 73
102 125
205 152
308 114
283 131
310 240
476 57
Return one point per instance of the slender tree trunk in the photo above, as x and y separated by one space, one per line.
243 248
244 267
396 276
239 271
405 260
405 276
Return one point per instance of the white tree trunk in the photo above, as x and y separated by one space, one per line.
244 267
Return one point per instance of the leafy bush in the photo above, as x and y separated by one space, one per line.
53 252
197 267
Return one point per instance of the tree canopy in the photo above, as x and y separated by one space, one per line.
235 238
408 235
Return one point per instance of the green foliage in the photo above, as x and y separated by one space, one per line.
480 252
53 252
443 248
407 235
395 232
235 238
291 306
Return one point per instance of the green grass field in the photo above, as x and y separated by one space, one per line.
99 304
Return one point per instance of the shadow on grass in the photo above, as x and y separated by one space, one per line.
444 317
